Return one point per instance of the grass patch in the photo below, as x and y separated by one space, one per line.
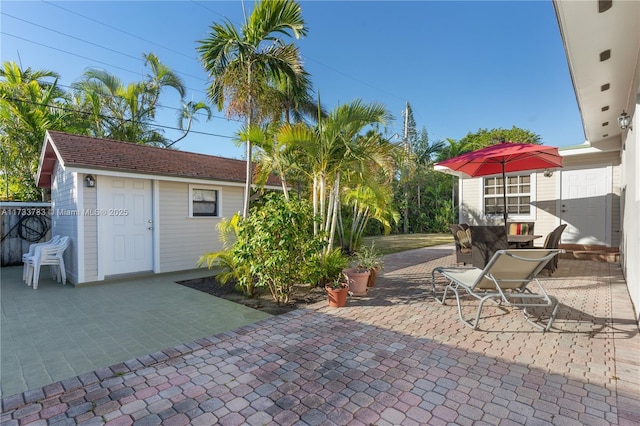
395 243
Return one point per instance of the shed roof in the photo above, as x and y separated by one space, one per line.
84 152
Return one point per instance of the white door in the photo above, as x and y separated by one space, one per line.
125 221
584 206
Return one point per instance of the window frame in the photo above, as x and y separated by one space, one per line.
218 191
513 216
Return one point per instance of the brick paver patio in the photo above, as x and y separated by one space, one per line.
393 357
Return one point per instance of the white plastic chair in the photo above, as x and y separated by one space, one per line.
47 255
32 251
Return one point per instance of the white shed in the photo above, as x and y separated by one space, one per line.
131 208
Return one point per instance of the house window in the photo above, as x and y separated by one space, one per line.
203 202
518 195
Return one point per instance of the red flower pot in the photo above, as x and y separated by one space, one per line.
358 280
337 296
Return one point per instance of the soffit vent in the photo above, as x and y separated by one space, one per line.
605 54
605 87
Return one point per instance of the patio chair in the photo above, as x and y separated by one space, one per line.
552 242
51 255
32 251
463 249
485 241
505 280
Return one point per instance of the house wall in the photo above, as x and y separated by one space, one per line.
630 176
547 212
64 216
182 240
90 228
604 159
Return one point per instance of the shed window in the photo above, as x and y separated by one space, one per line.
518 195
204 202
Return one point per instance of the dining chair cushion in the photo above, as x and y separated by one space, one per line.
465 238
518 229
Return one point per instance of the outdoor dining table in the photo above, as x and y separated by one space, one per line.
522 241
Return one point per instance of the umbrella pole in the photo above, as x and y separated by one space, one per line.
504 197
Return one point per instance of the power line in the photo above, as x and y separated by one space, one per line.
199 4
118 29
92 44
84 57
159 105
126 120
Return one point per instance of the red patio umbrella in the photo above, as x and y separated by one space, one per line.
502 158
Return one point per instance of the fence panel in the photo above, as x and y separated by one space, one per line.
22 224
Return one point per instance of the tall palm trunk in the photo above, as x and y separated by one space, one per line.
249 171
334 216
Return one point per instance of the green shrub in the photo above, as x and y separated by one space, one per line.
229 267
277 244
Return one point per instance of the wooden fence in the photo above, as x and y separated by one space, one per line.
22 224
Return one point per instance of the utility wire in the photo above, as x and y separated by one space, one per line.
95 44
119 30
159 105
125 120
335 70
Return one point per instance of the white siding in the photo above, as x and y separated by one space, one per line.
547 205
630 244
547 216
90 202
64 217
470 208
183 239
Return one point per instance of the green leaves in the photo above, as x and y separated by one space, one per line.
276 243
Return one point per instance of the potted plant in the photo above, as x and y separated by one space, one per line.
370 258
337 291
357 278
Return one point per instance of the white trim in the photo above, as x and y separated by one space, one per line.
155 202
80 227
133 175
218 201
100 230
533 197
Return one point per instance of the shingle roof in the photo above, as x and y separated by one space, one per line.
86 152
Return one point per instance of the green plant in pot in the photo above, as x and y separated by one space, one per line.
337 290
369 258
358 278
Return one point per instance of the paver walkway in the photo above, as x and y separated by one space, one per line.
395 356
56 331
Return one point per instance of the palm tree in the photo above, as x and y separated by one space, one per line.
187 115
126 112
334 151
30 103
244 62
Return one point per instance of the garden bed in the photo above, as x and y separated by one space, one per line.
302 296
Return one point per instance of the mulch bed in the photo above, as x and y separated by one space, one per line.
302 295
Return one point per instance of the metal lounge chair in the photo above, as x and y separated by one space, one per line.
505 280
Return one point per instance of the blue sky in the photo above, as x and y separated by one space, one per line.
463 66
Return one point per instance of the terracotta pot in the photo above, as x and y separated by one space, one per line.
372 277
357 281
337 297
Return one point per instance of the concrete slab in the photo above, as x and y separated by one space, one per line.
57 332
